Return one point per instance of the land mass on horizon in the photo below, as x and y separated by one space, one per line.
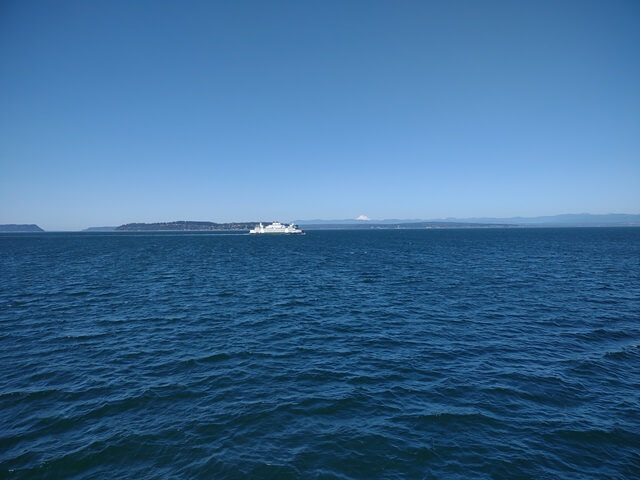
563 220
184 225
360 223
20 228
568 220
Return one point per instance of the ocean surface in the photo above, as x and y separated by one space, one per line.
417 354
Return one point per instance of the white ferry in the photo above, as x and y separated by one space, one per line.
276 227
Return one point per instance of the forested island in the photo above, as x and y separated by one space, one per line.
20 228
185 226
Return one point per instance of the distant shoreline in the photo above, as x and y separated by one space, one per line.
554 221
328 228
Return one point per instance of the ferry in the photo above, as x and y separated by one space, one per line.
276 227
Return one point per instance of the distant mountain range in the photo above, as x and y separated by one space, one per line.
20 228
571 219
565 220
389 225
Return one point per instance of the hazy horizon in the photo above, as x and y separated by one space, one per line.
120 112
358 219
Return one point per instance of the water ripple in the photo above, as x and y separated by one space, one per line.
455 354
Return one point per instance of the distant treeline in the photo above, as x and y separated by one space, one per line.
185 226
20 228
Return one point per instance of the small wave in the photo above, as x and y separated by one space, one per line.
615 436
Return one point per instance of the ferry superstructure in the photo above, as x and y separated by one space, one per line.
276 227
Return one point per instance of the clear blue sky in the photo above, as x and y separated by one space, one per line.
122 111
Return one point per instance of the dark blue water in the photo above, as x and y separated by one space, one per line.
349 354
